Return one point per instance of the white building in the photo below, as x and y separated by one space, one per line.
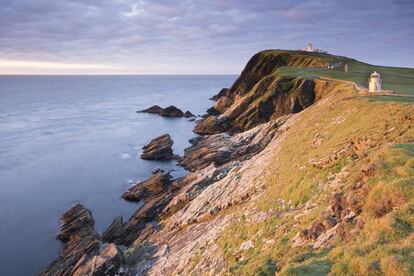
375 82
310 48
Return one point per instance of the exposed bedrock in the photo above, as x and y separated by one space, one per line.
262 93
159 148
223 92
270 99
219 149
154 186
170 111
82 252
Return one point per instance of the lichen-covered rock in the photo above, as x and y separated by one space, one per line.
159 148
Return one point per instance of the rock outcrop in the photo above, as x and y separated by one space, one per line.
154 186
223 92
270 99
262 94
170 111
153 194
222 148
108 262
159 148
79 239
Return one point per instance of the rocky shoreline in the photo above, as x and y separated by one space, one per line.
177 217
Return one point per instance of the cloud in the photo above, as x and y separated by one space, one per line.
194 36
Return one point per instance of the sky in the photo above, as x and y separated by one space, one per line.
194 37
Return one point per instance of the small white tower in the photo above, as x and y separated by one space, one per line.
309 48
375 82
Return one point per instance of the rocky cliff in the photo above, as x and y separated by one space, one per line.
261 94
296 175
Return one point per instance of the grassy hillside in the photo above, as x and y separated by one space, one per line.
400 80
324 154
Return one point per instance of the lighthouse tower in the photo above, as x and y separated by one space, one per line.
375 82
310 48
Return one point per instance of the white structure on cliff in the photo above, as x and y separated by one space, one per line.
310 49
375 82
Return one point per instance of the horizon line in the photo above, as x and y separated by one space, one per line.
116 74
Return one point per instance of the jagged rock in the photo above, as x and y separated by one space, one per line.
159 148
212 111
223 92
155 109
272 98
194 183
221 148
154 193
156 184
107 262
113 231
170 111
79 239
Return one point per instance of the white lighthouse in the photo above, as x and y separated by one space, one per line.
310 48
375 82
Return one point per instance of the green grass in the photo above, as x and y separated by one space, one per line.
396 99
385 244
400 80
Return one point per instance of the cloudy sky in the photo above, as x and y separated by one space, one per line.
192 36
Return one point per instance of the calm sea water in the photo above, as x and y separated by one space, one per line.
68 139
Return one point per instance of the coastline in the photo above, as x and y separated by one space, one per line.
186 225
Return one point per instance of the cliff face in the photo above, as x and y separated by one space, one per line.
261 94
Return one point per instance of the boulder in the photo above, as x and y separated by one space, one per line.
159 148
79 238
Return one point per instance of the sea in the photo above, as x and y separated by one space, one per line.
77 139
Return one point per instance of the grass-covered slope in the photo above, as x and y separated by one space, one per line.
345 147
400 80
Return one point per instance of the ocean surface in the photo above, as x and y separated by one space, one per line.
69 139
